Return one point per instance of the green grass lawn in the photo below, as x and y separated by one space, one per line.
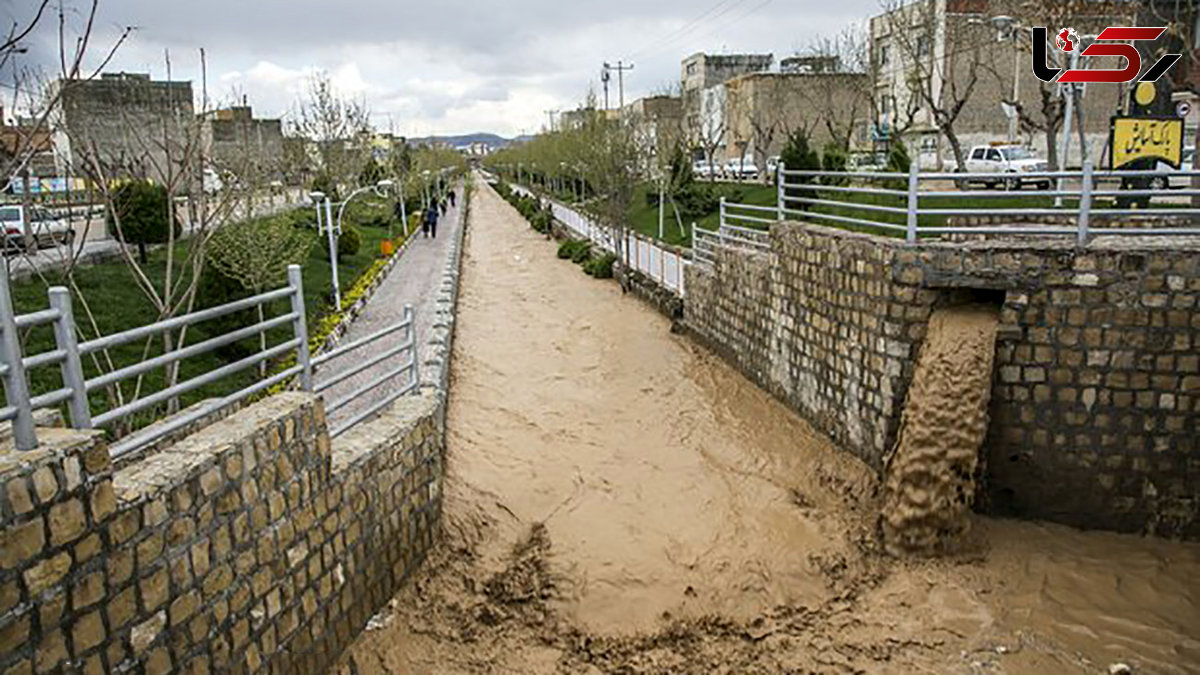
644 216
117 304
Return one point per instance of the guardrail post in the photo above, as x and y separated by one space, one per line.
72 366
16 388
722 221
300 326
779 201
1085 203
911 233
407 315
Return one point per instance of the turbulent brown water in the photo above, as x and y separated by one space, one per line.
617 500
930 478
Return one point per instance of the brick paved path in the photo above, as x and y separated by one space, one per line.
414 280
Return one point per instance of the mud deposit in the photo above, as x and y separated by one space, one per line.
930 478
619 501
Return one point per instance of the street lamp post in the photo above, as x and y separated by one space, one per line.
333 229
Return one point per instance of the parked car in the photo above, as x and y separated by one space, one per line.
212 181
1187 163
1008 162
47 230
702 169
737 169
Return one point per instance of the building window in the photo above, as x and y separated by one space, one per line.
883 55
691 69
922 46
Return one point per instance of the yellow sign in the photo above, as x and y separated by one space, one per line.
1135 138
1145 92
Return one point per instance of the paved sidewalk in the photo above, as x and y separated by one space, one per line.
415 280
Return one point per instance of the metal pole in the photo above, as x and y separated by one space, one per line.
337 293
407 313
72 366
300 326
1012 122
1065 143
660 209
911 235
16 389
779 169
403 210
721 223
1085 203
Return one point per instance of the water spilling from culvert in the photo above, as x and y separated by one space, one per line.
929 481
618 500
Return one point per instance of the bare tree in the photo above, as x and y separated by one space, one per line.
337 125
942 55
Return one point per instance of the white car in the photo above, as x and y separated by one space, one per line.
1008 162
737 169
47 230
1188 163
702 169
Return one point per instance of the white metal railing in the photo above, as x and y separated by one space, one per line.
664 264
916 204
68 356
405 348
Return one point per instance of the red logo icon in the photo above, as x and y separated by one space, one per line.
1112 41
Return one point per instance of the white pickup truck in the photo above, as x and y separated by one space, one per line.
47 230
1009 162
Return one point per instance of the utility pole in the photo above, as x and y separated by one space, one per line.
550 117
620 68
605 76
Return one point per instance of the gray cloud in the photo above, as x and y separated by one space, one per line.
453 66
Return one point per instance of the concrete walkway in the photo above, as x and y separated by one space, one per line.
414 280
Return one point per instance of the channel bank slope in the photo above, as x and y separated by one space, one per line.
619 500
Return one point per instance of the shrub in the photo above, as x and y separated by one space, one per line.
835 159
323 182
348 243
582 253
571 247
798 156
143 211
898 160
601 267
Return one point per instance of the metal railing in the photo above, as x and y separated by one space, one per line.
407 345
662 263
74 393
909 205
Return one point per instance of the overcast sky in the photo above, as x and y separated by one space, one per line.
445 67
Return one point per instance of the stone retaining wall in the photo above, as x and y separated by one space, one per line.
1096 397
250 546
655 294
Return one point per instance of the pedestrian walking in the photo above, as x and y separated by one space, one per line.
453 198
443 204
429 222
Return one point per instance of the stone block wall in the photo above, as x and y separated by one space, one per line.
250 546
1096 394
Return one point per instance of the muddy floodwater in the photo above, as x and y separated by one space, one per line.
619 500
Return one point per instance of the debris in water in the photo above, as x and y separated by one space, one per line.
1120 669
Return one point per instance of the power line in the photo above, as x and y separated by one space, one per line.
679 32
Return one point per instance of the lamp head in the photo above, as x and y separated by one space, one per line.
316 195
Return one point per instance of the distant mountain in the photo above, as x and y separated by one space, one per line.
489 139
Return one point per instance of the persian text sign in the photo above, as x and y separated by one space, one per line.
1135 138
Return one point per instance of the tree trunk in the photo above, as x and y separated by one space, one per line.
960 162
142 252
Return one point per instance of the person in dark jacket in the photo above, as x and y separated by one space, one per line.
429 223
453 198
443 204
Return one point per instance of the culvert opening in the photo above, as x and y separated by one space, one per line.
930 477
